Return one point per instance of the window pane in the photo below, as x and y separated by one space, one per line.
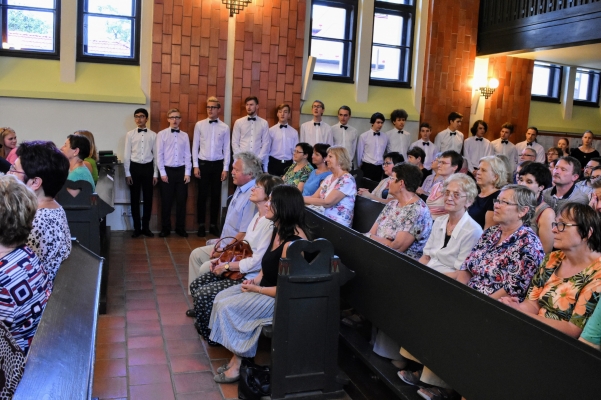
112 7
581 86
540 81
30 30
328 22
109 36
329 56
388 29
32 3
385 63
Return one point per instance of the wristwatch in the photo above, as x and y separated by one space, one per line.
227 266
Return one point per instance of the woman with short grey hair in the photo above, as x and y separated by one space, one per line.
491 176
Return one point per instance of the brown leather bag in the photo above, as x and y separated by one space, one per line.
235 251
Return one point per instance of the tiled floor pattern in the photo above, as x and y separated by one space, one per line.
146 347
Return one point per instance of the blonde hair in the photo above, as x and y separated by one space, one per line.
214 99
172 111
342 156
497 166
4 132
18 205
90 137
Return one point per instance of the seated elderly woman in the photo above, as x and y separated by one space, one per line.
336 197
491 176
565 289
501 263
405 223
24 285
449 162
258 234
321 171
381 193
76 149
240 312
44 169
298 173
537 177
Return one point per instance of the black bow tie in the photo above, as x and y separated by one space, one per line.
453 133
344 127
142 130
529 144
400 131
213 120
504 141
316 123
174 130
426 143
479 139
252 118
376 133
283 126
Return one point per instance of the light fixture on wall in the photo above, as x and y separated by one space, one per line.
235 6
488 88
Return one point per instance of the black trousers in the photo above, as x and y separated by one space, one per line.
209 185
277 167
141 176
372 171
175 188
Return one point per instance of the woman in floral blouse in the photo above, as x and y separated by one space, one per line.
336 196
298 173
567 286
405 223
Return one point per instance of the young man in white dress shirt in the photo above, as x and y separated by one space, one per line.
451 138
344 134
530 141
316 131
173 161
503 146
425 144
477 146
399 140
251 133
371 147
211 159
283 139
140 170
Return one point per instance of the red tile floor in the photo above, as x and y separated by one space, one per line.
146 347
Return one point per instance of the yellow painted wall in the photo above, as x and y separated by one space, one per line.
381 99
549 117
40 79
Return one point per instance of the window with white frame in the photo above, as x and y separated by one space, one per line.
586 87
109 31
30 28
546 82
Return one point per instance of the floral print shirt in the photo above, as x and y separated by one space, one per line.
413 218
343 211
570 299
300 176
509 266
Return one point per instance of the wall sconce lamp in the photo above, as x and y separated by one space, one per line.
488 88
235 6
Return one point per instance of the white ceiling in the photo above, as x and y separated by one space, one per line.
588 55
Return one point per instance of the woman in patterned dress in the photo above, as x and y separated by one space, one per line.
298 173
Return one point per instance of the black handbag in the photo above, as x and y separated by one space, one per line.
255 381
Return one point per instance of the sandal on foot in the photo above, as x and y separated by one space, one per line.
410 377
221 378
223 368
435 393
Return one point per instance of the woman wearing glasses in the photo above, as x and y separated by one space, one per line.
298 173
381 193
449 162
565 289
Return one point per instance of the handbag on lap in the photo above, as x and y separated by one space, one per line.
235 251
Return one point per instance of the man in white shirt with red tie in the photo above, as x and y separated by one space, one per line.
316 131
399 140
530 141
282 142
477 146
371 147
211 159
425 144
451 138
505 147
139 164
251 133
344 134
173 161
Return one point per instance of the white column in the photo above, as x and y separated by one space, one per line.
567 92
229 89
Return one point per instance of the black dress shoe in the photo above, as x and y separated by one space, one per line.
201 231
164 233
137 233
190 313
213 230
181 232
146 232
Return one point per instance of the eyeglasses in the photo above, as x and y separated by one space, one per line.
212 108
456 195
444 162
588 167
174 118
139 116
527 155
560 226
14 171
257 187
387 163
504 203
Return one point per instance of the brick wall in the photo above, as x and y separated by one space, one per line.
449 63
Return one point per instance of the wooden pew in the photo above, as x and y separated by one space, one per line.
60 363
482 348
